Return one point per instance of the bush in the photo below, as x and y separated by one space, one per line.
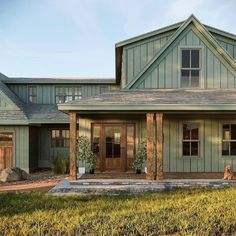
85 153
60 165
140 156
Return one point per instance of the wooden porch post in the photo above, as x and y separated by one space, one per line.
73 146
159 145
150 146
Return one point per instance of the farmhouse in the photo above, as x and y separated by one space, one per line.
174 87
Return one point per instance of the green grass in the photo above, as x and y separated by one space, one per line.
188 212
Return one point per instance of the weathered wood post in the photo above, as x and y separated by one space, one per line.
73 146
150 146
159 145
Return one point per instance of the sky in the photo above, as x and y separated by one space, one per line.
76 38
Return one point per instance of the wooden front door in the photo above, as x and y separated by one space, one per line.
114 146
6 150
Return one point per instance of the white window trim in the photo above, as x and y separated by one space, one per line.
201 65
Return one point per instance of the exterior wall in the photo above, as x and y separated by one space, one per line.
137 55
46 152
210 159
21 145
33 147
165 71
228 44
46 93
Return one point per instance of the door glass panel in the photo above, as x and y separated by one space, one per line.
5 137
117 142
96 140
130 141
109 141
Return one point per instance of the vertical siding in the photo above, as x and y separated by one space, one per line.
214 73
46 93
137 55
21 145
46 152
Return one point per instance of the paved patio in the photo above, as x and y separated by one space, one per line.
133 186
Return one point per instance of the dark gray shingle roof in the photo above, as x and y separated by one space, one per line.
163 96
38 113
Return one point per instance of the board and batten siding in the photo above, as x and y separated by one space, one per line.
165 71
46 151
228 44
46 93
21 145
210 159
137 55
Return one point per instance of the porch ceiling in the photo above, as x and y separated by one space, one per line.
169 100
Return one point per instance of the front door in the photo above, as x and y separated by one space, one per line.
114 146
6 150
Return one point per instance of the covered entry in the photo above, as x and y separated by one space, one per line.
6 150
114 146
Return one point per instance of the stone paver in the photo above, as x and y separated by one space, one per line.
133 186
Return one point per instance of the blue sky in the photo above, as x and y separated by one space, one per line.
67 38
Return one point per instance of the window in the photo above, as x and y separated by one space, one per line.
190 140
32 92
66 94
229 140
60 138
190 67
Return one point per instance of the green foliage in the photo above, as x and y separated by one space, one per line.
85 153
183 212
140 156
60 165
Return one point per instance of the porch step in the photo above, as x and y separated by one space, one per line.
115 187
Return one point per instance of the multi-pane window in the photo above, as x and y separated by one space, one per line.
66 94
32 94
60 138
229 140
190 67
190 139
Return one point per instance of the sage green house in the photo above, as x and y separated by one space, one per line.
175 88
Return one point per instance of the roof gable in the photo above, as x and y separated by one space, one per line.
223 55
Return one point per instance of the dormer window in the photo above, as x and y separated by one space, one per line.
190 68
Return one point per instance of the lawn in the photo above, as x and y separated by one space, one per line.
188 212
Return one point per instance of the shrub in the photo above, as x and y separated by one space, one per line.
60 165
140 156
85 153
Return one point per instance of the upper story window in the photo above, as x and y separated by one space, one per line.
190 140
32 94
229 140
190 68
66 94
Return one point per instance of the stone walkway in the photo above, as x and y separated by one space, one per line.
133 186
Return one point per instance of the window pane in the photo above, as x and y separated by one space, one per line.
109 139
232 148
186 132
194 58
185 58
233 132
194 132
184 78
96 138
225 148
194 78
226 132
194 148
186 148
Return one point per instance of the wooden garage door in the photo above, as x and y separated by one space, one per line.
6 150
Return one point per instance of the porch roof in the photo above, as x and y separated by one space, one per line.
157 100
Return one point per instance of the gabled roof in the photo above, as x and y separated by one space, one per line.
156 100
192 19
120 45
